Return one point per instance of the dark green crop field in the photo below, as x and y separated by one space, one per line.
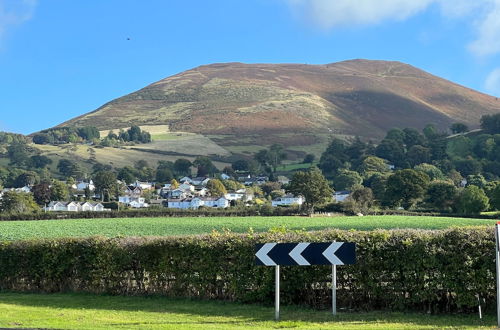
14 230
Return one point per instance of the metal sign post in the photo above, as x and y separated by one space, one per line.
334 289
497 257
277 293
305 254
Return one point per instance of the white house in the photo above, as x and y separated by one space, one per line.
287 200
75 206
137 204
144 185
196 202
236 196
340 196
224 176
82 185
283 179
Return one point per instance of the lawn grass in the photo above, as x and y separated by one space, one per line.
85 311
14 230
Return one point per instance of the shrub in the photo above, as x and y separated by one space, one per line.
432 271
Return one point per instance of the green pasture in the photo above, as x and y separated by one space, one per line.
84 311
14 230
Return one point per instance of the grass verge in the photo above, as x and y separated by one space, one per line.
84 311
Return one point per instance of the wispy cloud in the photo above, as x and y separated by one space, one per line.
492 84
15 12
483 15
488 27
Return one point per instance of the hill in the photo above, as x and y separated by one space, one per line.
243 107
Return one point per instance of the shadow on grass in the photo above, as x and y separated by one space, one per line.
236 311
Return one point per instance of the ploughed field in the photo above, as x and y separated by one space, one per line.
119 227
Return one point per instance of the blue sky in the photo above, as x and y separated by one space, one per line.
62 58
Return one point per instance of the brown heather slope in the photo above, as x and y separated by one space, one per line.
240 104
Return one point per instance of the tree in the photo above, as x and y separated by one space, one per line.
495 197
418 154
164 175
308 159
392 151
26 179
467 166
346 179
491 123
373 164
69 168
39 161
312 185
174 184
472 200
182 167
432 171
59 191
270 186
276 155
412 137
241 165
406 187
105 184
457 128
41 193
361 199
460 146
18 153
204 166
476 180
18 202
127 174
441 195
216 188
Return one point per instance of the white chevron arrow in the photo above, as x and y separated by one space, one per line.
329 253
297 256
262 254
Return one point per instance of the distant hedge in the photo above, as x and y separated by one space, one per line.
432 271
156 212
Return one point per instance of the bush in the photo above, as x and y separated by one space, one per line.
432 271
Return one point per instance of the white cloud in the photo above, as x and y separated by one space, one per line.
488 40
482 15
492 83
330 13
15 12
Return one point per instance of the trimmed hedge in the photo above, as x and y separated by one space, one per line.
432 271
161 212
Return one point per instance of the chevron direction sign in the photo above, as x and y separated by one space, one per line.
305 254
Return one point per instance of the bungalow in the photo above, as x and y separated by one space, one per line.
74 206
186 179
287 200
196 202
259 180
200 181
236 196
340 196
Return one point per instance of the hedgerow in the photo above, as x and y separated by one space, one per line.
432 271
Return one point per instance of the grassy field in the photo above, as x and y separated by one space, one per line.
14 230
83 311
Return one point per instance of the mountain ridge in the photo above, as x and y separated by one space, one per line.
298 104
